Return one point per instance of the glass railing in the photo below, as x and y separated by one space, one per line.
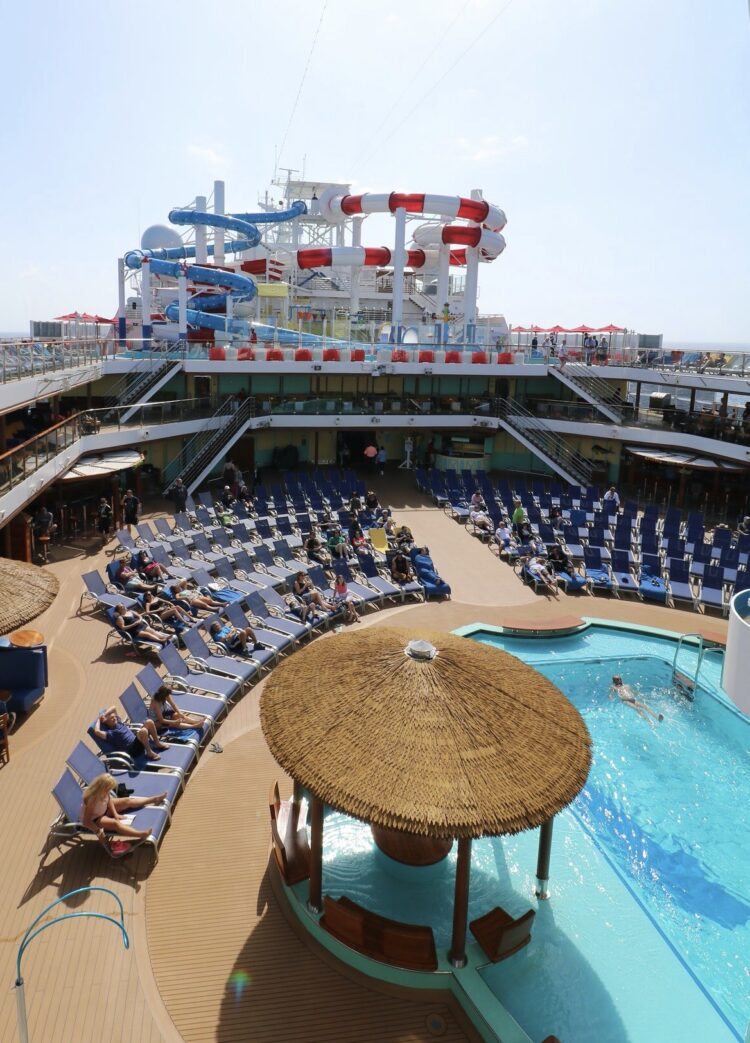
18 464
375 406
710 423
23 359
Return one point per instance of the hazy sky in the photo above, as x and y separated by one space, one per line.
614 133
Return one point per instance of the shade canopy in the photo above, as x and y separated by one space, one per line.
610 329
101 466
469 743
26 592
691 460
582 329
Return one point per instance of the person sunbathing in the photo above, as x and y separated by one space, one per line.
233 638
149 569
101 809
304 589
111 729
504 538
538 569
166 714
170 615
129 578
130 622
195 598
342 596
480 519
315 549
401 569
627 696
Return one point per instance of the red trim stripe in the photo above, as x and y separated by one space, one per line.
473 209
351 204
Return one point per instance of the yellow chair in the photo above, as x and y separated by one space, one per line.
378 539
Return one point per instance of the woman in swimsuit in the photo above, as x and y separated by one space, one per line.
132 623
166 714
626 695
100 810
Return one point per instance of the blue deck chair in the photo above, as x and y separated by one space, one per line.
679 581
268 608
103 597
722 537
623 544
361 590
265 561
377 581
68 827
125 542
597 571
183 526
627 582
129 638
177 760
165 533
434 585
216 587
322 584
712 588
730 562
694 536
203 548
703 554
87 766
200 682
239 579
743 546
413 588
651 583
209 654
257 573
212 708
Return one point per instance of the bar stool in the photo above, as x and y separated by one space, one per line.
43 543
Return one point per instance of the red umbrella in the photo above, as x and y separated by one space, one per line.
520 329
582 329
539 329
559 329
611 329
68 318
104 322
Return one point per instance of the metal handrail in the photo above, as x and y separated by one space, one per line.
678 677
719 649
195 446
547 440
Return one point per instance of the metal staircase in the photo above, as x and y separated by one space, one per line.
594 390
199 456
142 382
543 441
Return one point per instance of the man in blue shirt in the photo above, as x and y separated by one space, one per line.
112 729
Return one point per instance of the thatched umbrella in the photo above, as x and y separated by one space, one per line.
457 739
25 592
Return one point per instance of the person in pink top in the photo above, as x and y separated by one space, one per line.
342 596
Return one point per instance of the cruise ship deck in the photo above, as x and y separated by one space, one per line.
212 956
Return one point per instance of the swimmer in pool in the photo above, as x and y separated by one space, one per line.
626 695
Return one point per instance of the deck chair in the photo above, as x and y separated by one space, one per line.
125 542
379 541
597 571
102 596
253 570
434 585
164 533
627 582
87 766
211 707
177 760
239 579
276 642
730 562
211 655
500 935
712 588
651 585
412 588
128 638
679 582
196 680
265 559
218 589
137 713
362 592
377 581
68 826
183 526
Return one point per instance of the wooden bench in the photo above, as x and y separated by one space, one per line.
290 847
500 935
401 944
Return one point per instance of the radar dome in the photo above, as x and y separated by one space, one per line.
158 236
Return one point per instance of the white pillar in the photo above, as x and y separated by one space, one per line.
146 302
182 307
355 270
201 250
472 285
444 270
219 232
229 313
399 263
121 325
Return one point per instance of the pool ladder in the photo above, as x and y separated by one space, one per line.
685 684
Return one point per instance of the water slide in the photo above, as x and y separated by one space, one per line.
336 207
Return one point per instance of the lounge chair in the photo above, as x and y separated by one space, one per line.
627 582
128 638
210 655
103 596
213 708
679 582
251 569
199 681
379 540
712 588
137 714
68 826
276 642
377 581
177 760
87 766
500 935
597 571
434 585
651 586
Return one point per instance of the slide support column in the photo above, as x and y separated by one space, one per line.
121 326
201 249
146 303
219 232
399 263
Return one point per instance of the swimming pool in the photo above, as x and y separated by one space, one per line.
649 920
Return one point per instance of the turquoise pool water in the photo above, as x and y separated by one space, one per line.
649 920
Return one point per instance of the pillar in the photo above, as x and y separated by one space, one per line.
692 400
182 308
444 271
399 263
470 292
542 861
637 403
201 250
457 953
355 270
121 324
146 303
219 232
315 894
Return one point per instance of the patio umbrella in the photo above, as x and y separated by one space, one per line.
27 592
559 329
582 329
610 329
437 737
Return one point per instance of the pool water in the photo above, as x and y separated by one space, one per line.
649 919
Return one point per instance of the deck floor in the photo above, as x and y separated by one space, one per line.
211 956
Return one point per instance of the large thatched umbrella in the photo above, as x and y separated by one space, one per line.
25 592
426 734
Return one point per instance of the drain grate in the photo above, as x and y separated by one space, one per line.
436 1025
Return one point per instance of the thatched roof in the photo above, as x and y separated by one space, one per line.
25 592
471 743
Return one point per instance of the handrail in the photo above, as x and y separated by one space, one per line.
551 443
687 684
174 467
719 649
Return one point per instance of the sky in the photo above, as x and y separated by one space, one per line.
615 134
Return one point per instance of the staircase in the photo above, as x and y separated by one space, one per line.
543 441
594 390
199 456
150 376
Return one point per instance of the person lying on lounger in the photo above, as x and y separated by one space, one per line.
304 589
110 728
538 569
130 622
627 696
188 594
401 569
170 615
234 639
101 809
166 713
130 580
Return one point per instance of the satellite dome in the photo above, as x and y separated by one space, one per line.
158 236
